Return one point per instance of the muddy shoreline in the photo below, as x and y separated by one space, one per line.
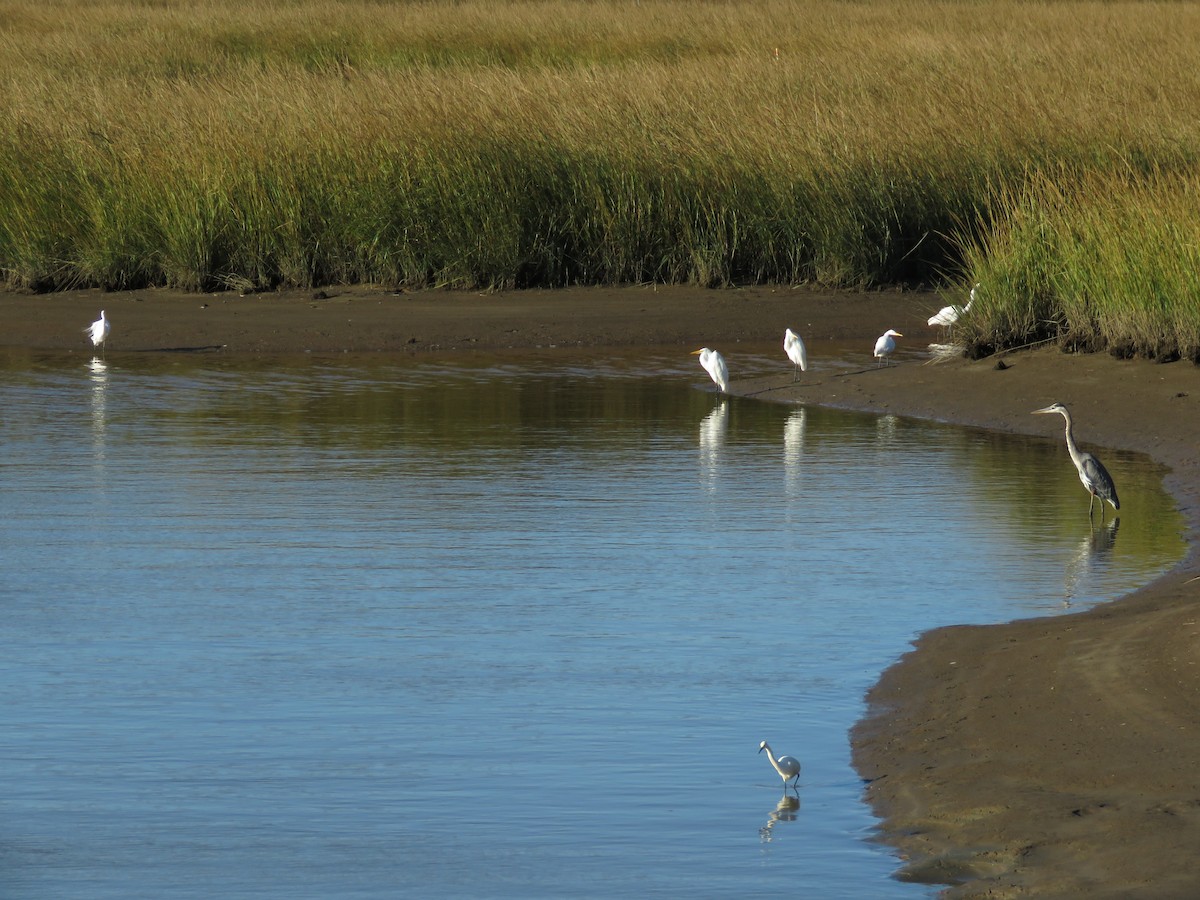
1048 757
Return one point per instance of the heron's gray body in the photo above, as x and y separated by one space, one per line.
1091 471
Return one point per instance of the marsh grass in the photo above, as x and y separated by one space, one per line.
495 144
1101 260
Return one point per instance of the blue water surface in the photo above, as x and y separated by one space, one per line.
487 626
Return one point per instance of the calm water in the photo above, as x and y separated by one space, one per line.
489 627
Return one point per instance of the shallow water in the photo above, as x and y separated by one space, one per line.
489 626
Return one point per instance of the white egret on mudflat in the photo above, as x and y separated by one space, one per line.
796 352
948 315
714 365
1091 471
886 344
788 767
99 330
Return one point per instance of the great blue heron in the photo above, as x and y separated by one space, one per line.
796 352
1091 471
714 365
788 767
99 330
948 315
886 344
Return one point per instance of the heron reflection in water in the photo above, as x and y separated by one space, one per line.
1091 554
785 811
1091 471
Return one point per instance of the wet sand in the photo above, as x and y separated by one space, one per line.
1048 757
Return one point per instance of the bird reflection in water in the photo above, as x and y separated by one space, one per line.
1092 554
785 811
712 438
793 450
98 375
885 429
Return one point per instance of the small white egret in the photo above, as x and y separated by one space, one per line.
886 344
948 315
796 352
714 365
788 767
99 330
1091 471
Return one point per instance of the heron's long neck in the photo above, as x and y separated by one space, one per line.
1071 446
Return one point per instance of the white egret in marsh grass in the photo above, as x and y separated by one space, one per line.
714 365
948 315
796 352
885 345
788 767
99 330
1091 471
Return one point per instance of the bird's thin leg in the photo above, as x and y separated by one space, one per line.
1091 503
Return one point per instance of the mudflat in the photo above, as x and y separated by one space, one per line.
1047 757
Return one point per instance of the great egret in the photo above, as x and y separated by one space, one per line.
98 331
714 365
788 767
948 315
796 352
886 344
1091 471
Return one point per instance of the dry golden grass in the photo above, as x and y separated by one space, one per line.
501 143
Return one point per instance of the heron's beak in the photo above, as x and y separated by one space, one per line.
696 352
761 749
898 334
1037 411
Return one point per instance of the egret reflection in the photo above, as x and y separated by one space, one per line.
793 448
785 811
885 429
98 399
712 439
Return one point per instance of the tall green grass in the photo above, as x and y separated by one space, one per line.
1093 261
490 143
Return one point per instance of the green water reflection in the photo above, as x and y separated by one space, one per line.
475 412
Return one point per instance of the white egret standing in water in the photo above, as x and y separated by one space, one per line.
948 315
796 352
714 365
98 331
788 767
1091 471
886 344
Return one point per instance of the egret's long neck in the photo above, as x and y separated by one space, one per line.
771 757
